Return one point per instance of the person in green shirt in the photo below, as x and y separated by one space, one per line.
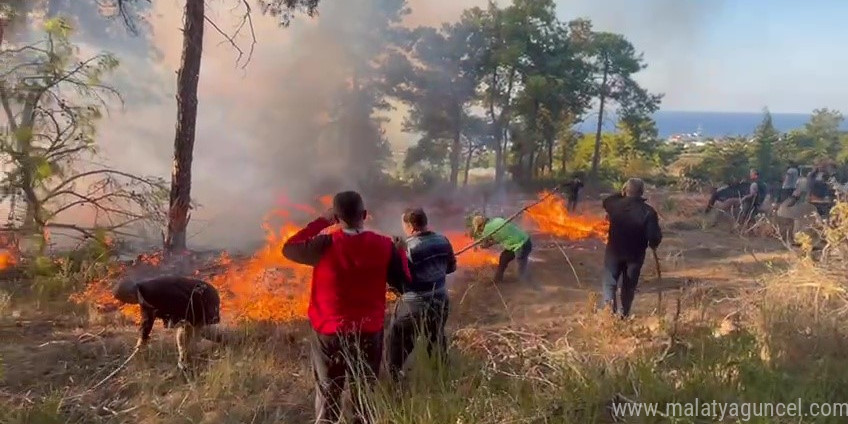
515 242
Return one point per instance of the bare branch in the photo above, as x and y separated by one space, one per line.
76 177
246 21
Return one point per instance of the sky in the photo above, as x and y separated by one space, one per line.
723 55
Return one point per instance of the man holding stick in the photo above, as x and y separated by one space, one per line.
634 226
515 241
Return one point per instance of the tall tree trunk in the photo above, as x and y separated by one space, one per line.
550 142
467 164
456 150
596 157
496 129
187 79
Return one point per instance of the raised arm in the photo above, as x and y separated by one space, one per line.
307 245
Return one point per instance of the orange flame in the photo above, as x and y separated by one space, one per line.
552 217
7 259
265 287
473 257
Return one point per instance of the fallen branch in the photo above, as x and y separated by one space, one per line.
117 370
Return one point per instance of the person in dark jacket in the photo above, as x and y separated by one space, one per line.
351 267
634 226
189 305
571 189
423 305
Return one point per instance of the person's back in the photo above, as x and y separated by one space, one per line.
790 180
431 259
349 283
632 225
351 267
505 233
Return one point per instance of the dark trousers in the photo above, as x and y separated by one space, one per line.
624 272
749 212
523 256
572 203
425 316
337 357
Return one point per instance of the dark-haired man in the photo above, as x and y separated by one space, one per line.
348 300
189 305
423 306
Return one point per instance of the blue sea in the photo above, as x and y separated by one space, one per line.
715 124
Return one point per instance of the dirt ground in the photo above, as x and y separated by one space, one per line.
57 352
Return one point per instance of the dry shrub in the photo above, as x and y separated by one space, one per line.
803 310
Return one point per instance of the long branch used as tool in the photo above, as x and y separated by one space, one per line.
567 259
508 220
117 370
657 263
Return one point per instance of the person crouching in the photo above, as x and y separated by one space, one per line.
187 304
515 242
422 308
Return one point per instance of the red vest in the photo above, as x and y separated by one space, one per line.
349 284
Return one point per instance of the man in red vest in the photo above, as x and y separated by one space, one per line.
348 300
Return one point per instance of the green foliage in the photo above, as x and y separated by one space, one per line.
53 98
721 162
763 149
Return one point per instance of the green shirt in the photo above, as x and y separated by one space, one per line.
510 236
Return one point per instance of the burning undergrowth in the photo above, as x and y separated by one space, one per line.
551 216
266 286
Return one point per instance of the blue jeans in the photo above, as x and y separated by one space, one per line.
621 271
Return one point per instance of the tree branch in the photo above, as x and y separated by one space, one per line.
70 180
246 20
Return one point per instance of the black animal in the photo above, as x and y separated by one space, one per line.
189 305
731 191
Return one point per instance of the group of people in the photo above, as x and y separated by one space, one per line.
352 267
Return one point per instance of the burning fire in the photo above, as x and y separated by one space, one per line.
266 286
473 257
7 259
552 217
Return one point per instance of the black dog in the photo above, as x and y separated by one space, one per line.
189 305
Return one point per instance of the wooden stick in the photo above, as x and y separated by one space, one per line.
508 220
657 263
579 284
117 370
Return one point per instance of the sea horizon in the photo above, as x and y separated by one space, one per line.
712 124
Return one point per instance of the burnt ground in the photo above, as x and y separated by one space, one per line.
58 351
